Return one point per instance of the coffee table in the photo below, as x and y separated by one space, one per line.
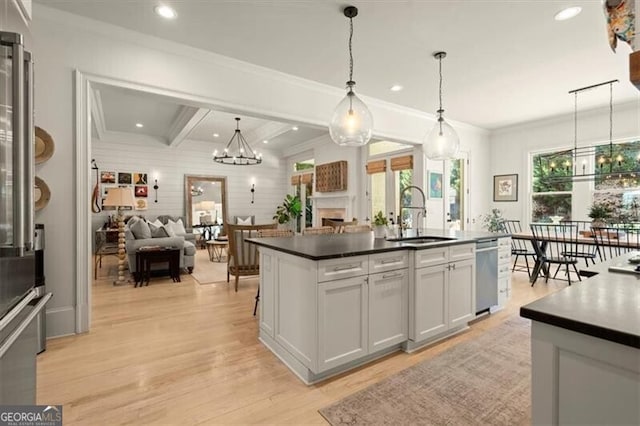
145 257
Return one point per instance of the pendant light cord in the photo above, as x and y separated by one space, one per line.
350 51
440 86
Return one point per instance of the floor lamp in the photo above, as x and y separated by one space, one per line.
118 198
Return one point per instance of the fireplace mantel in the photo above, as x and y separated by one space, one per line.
344 201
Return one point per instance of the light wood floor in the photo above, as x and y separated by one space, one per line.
188 354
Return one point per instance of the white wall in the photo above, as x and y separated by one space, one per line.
64 43
171 164
511 147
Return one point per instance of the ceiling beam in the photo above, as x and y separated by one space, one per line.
97 114
267 131
188 118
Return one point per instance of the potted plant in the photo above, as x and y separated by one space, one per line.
379 225
289 211
492 221
599 212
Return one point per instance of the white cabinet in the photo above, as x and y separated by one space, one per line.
364 314
443 295
342 321
504 271
388 318
268 275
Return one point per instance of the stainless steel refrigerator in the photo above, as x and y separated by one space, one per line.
18 332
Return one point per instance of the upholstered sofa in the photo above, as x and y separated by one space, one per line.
151 235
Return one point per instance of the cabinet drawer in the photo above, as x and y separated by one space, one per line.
504 257
432 256
462 252
504 242
344 267
382 262
504 269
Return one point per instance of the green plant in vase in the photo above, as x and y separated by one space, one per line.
492 222
599 213
290 210
379 225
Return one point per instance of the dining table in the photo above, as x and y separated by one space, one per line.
585 237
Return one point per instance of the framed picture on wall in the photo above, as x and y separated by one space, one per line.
505 187
435 185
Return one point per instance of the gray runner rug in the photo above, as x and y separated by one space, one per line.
482 381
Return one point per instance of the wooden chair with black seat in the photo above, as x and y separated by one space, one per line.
518 247
242 257
557 243
613 241
270 233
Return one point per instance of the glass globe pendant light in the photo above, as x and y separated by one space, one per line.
351 123
442 143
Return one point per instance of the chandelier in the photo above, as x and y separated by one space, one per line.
238 152
611 162
195 192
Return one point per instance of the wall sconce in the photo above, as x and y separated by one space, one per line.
253 191
155 188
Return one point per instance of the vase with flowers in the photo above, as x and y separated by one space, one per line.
599 212
380 225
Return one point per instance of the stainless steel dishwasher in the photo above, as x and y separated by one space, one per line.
486 274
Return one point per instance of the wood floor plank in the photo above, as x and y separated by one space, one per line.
186 353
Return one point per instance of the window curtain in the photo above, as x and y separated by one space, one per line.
377 166
402 163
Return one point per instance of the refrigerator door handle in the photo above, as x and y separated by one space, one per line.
29 158
18 331
17 309
17 129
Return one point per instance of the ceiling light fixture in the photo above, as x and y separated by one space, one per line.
396 88
352 123
165 11
567 13
442 143
215 135
238 153
294 128
139 125
265 141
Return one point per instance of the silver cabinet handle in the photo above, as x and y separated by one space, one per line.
385 261
29 158
344 268
24 324
17 309
393 275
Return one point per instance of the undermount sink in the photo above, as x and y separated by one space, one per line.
426 239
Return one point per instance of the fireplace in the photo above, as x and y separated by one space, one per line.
334 215
335 208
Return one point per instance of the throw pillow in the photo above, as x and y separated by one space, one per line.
157 231
156 223
241 221
169 230
178 227
140 230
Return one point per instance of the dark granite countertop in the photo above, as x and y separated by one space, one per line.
331 246
606 306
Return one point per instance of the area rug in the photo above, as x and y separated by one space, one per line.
207 272
482 381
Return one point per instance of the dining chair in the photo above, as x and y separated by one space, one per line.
518 247
339 226
319 230
267 233
586 251
613 241
356 229
557 243
242 258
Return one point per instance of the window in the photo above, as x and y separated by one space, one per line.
550 198
390 170
302 186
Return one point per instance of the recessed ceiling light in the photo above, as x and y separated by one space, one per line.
165 11
567 13
215 135
294 128
396 88
139 125
265 141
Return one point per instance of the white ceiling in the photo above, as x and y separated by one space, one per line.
508 61
117 110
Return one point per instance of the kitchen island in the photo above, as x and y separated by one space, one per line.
585 349
332 302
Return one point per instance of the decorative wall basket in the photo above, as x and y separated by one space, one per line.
44 146
331 177
41 194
